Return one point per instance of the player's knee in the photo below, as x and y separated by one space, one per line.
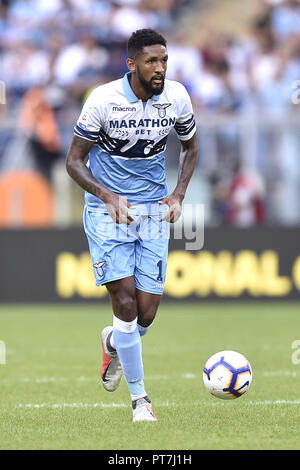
125 306
147 317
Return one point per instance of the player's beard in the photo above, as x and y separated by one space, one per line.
148 85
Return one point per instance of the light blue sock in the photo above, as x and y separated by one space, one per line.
137 389
143 329
129 348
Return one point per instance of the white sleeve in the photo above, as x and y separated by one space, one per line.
89 121
185 126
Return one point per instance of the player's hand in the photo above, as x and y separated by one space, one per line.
117 208
175 208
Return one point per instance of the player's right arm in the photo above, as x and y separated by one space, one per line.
76 167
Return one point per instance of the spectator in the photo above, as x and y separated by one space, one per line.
245 200
222 86
65 47
265 60
185 60
24 66
125 19
86 58
38 124
239 201
286 19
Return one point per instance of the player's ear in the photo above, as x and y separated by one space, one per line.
131 64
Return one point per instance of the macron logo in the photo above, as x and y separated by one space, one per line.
124 108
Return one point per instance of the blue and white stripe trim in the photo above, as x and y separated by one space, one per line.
89 135
185 128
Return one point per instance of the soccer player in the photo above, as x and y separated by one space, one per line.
123 129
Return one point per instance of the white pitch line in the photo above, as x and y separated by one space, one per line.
281 373
77 405
166 404
71 405
186 376
41 380
274 402
189 375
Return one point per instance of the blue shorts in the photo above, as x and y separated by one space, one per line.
120 250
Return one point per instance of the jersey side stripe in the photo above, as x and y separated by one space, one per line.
87 134
185 130
185 123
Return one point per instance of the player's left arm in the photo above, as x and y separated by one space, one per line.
187 162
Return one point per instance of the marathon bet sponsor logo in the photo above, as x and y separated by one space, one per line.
133 123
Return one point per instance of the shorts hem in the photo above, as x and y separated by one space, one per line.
149 291
117 278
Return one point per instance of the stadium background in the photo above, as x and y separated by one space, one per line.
241 67
241 71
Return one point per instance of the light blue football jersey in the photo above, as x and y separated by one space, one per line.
130 138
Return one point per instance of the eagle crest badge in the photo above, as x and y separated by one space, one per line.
161 108
99 268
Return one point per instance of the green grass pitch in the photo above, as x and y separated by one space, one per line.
51 396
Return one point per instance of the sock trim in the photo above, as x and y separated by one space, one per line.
124 326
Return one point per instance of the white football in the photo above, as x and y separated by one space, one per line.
227 375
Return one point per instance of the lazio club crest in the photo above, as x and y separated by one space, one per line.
161 108
99 268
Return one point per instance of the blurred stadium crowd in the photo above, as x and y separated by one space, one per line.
242 88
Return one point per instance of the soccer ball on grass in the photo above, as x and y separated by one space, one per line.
227 375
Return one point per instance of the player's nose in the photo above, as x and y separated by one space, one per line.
159 69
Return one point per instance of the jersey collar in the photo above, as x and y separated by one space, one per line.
129 92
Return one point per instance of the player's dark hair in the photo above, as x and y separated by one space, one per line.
143 38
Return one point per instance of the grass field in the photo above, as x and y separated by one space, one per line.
51 397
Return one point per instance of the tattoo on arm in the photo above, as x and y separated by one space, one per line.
187 162
77 169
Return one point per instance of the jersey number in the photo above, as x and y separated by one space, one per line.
159 277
